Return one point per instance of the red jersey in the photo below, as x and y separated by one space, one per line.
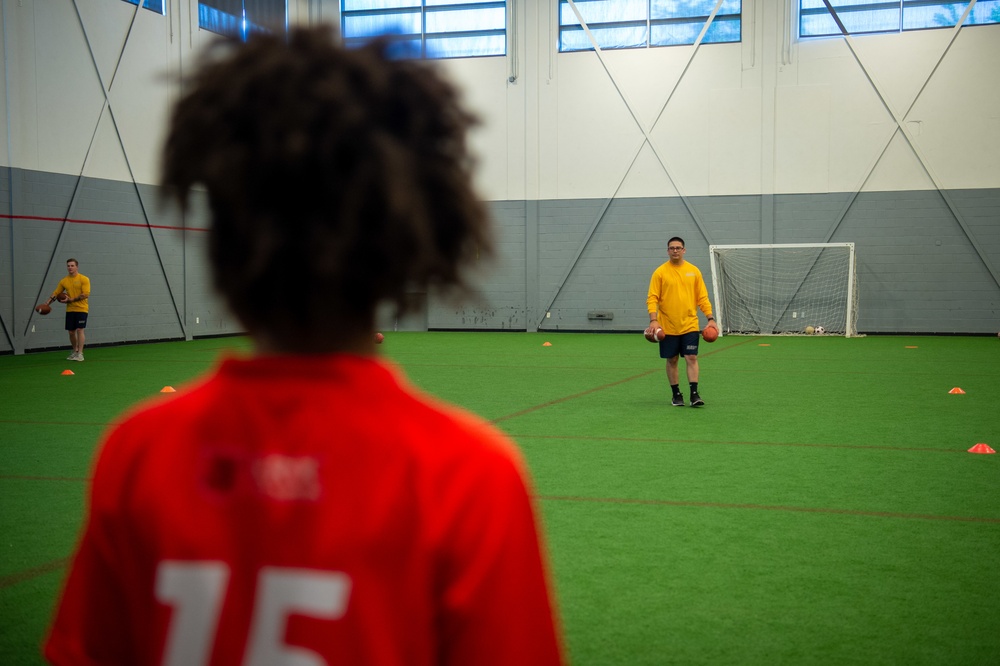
307 510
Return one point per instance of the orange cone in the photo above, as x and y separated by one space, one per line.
546 344
68 372
168 389
981 448
957 391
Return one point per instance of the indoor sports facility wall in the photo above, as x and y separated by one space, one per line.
149 281
590 161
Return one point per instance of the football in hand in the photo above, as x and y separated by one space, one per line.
711 334
657 334
43 308
63 297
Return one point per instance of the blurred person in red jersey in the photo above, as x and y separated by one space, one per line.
306 504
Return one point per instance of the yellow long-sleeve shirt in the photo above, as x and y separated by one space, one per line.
674 294
75 287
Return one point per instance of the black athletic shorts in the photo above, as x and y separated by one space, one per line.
75 320
685 345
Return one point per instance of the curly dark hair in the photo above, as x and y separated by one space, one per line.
335 176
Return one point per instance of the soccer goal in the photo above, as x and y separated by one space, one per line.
799 288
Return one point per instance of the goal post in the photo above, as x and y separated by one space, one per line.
781 289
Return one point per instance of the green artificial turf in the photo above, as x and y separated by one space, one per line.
822 508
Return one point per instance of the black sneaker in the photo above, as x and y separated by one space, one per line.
696 400
678 400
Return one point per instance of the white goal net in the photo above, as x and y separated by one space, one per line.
785 289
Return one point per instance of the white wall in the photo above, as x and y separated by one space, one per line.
769 115
60 56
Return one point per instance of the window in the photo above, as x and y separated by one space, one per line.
636 24
242 18
151 5
863 17
429 28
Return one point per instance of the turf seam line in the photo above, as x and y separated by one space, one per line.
766 507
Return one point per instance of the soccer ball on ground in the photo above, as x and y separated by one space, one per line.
820 330
810 330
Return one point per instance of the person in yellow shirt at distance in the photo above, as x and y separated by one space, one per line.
676 289
77 289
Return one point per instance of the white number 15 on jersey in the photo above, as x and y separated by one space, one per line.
196 591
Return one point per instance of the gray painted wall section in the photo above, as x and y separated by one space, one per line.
918 270
500 283
147 269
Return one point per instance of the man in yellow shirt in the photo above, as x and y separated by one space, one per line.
676 289
77 289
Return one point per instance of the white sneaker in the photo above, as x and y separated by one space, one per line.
79 356
71 357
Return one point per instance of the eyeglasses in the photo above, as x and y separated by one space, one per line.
675 249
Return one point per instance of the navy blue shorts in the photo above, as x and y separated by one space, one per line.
75 320
685 345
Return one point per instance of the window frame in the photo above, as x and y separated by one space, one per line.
246 26
649 23
423 37
882 5
162 11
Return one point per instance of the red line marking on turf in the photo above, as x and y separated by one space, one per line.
765 507
19 477
657 440
28 574
571 397
70 423
567 398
